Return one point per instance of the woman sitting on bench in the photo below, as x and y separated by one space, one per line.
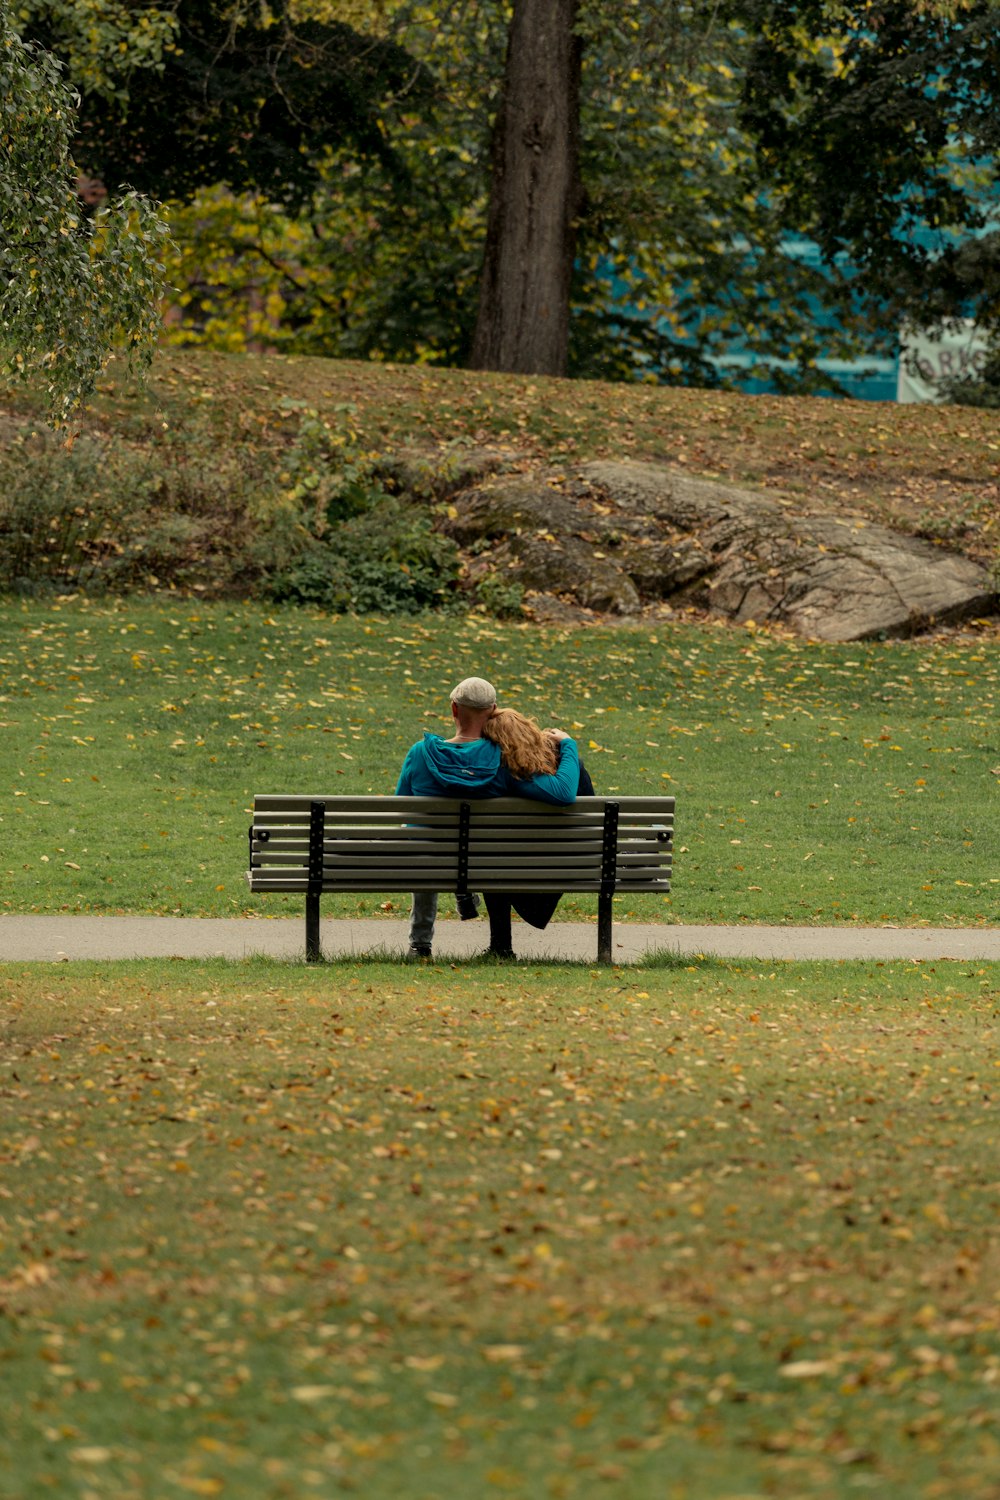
525 751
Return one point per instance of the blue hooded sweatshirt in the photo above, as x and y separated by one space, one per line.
435 768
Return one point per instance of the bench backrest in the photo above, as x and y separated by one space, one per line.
300 843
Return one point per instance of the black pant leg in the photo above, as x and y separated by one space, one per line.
498 909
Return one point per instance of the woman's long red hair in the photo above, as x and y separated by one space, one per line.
525 749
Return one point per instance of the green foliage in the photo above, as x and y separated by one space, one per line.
707 133
877 122
54 521
385 559
326 472
396 561
358 547
670 222
72 289
385 262
205 92
500 597
246 274
232 112
981 389
310 522
300 569
101 43
112 517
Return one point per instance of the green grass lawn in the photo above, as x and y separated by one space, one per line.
683 1233
814 783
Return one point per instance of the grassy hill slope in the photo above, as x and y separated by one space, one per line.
934 471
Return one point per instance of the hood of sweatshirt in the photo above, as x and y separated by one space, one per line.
461 767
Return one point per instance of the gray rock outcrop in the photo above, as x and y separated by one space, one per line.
622 535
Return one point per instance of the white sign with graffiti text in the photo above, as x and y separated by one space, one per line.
926 359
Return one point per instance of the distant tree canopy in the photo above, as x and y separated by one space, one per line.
73 288
873 127
885 141
236 94
604 187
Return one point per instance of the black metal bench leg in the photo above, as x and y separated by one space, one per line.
604 929
609 871
317 836
313 952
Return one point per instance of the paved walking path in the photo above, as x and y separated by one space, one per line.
52 939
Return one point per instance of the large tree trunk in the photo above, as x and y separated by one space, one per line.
523 322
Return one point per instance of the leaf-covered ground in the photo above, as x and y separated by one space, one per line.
682 1232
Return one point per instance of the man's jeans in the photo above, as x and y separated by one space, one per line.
423 914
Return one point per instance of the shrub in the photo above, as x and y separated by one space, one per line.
385 562
327 475
982 389
500 596
313 573
311 523
111 517
335 537
62 514
396 561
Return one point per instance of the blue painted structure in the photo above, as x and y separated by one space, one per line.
873 376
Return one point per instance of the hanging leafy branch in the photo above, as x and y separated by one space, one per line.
73 288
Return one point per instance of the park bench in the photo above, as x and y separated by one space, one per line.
324 844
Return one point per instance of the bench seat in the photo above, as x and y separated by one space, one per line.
317 844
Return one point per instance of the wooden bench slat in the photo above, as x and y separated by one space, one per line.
512 851
499 809
378 803
435 876
393 833
480 850
381 848
509 878
431 880
513 870
372 882
429 820
387 880
498 832
548 828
